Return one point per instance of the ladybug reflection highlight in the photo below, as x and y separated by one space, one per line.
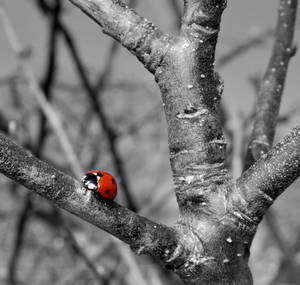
100 182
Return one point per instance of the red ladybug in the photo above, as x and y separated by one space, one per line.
100 182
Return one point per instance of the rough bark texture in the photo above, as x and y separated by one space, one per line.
271 175
68 193
218 219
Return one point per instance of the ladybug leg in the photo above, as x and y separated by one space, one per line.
90 190
88 194
87 191
97 195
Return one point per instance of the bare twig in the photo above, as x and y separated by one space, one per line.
135 273
81 253
39 95
271 88
149 116
47 84
76 272
21 224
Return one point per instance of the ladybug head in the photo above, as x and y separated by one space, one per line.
90 181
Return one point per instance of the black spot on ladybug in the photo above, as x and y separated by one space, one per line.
107 191
99 174
113 181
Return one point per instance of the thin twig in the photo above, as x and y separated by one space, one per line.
47 84
21 225
149 116
40 97
48 80
81 253
271 88
76 272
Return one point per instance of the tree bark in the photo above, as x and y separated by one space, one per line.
210 242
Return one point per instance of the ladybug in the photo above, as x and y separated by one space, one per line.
100 182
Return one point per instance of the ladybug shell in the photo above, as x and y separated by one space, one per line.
104 183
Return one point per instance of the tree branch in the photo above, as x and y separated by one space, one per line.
262 183
271 88
143 235
191 92
134 32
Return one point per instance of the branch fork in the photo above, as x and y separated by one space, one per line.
210 242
